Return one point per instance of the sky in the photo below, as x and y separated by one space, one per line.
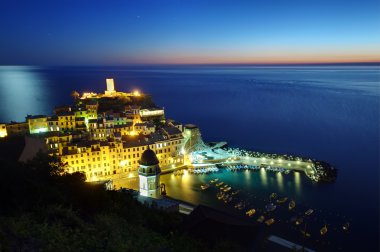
110 32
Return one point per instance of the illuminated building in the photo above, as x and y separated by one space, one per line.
124 129
17 128
92 108
66 121
53 124
101 158
134 113
56 140
88 112
149 175
193 139
110 92
145 128
110 87
152 114
3 130
103 145
37 123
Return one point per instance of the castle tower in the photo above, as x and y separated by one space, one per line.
110 87
149 175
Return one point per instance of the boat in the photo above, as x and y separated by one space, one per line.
299 221
346 226
309 212
205 186
273 196
250 212
292 204
305 234
240 205
269 222
261 219
219 184
227 189
323 230
227 199
282 200
270 207
220 195
235 192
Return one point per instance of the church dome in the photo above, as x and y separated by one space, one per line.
148 158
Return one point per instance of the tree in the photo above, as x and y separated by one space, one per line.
75 95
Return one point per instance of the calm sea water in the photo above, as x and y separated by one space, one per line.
330 113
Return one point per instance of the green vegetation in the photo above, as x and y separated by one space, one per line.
44 209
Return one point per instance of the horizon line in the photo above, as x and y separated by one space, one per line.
369 63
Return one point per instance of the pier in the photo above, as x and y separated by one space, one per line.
317 171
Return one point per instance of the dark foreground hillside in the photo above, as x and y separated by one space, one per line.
44 209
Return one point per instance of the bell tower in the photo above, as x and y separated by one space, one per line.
149 175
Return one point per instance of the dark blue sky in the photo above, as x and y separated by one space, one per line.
150 32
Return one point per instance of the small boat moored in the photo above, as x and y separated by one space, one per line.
270 207
269 222
273 196
299 221
219 184
309 212
227 189
323 230
250 212
346 226
261 219
292 205
205 186
282 200
235 192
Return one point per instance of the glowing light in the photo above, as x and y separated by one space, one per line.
41 130
136 93
133 133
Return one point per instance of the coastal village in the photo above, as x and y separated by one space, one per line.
117 136
103 135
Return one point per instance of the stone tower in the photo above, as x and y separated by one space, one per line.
149 175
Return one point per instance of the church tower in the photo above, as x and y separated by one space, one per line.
149 175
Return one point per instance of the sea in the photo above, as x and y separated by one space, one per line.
325 112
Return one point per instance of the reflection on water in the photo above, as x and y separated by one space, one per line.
280 182
21 92
247 176
297 183
263 177
187 186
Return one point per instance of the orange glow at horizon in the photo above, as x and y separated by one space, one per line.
367 55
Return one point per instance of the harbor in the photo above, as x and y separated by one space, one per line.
274 200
